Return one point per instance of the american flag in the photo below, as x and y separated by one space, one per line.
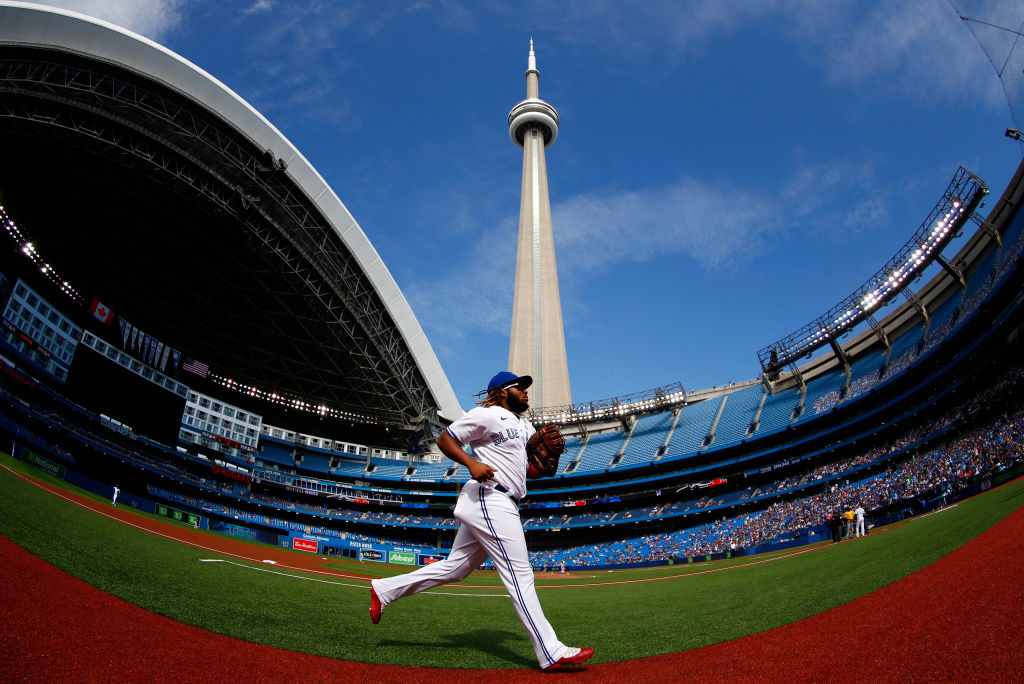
194 367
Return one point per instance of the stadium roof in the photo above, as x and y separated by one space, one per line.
159 191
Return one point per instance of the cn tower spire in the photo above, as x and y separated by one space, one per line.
537 345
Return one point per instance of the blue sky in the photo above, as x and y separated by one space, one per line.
724 172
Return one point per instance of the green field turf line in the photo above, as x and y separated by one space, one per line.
341 584
621 621
55 491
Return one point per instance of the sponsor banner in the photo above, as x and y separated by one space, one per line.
241 532
228 442
176 515
305 545
230 473
401 558
371 555
44 464
425 559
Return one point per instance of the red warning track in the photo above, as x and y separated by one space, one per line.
958 619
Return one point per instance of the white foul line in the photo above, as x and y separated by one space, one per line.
340 584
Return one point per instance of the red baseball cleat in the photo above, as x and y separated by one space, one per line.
375 607
574 656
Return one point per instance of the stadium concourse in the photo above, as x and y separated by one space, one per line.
240 357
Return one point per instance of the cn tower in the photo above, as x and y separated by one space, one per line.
537 346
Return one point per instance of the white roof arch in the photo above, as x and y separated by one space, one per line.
42 26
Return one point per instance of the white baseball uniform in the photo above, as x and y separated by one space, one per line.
490 526
859 512
116 492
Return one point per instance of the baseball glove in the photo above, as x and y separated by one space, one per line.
542 452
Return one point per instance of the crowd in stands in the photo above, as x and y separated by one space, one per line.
934 472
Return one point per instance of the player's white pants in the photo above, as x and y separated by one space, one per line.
490 527
860 528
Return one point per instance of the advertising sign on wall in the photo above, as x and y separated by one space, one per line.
305 545
426 559
402 558
180 516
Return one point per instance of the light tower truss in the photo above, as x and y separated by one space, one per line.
956 206
616 408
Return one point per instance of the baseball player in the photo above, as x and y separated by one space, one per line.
859 513
488 512
116 492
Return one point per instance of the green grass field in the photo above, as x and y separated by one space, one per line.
459 626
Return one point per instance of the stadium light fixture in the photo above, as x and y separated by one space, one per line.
957 205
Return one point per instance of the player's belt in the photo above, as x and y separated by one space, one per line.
504 490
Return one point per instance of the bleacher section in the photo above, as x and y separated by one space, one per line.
430 472
350 468
275 453
600 449
572 451
649 435
388 468
739 413
317 463
777 413
693 426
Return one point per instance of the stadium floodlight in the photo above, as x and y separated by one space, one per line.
951 212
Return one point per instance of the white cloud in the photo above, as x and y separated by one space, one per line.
910 49
716 226
707 223
259 6
900 48
154 19
475 294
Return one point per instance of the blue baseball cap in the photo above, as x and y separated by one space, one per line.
504 380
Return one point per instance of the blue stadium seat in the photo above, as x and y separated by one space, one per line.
739 413
648 436
693 427
600 449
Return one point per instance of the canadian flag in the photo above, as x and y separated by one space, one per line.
100 311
